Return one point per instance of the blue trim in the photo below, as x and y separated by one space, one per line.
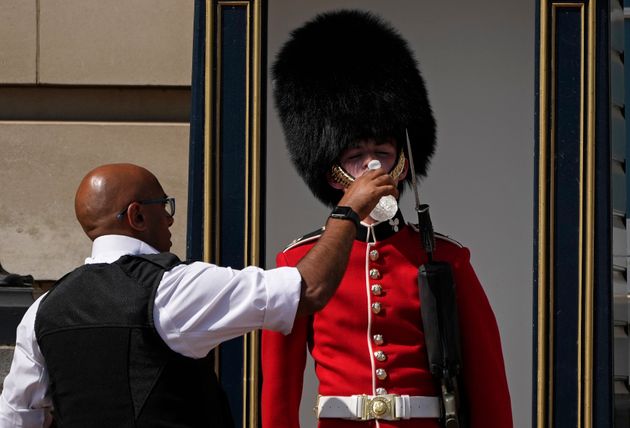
603 339
194 235
566 221
233 133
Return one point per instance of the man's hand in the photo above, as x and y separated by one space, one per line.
324 265
365 192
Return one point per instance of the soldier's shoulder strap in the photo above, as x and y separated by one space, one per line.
309 237
440 236
448 239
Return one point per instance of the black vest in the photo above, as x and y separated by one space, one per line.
108 366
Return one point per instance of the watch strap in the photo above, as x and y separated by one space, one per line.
346 213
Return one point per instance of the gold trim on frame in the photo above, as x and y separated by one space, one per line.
547 108
208 238
589 250
252 254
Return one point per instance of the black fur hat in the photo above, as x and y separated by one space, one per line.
345 76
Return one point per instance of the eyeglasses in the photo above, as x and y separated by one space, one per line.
169 206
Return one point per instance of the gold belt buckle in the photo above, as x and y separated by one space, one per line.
380 407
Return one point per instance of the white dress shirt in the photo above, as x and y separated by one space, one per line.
197 306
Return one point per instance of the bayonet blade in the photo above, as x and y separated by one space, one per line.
413 171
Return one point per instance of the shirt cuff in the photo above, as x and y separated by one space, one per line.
284 286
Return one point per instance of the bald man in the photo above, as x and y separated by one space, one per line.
122 341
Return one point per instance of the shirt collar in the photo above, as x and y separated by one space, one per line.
109 248
381 230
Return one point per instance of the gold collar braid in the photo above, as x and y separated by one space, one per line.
342 177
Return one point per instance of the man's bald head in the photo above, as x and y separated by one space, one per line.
108 189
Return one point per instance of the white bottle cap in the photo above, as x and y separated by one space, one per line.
374 164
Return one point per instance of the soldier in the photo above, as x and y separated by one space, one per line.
347 87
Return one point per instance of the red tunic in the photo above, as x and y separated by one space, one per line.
341 337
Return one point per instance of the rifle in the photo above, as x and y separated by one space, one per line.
439 316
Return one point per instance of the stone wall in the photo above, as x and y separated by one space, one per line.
82 83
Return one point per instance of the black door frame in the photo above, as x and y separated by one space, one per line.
227 170
573 366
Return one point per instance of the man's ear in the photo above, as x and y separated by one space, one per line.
135 217
333 183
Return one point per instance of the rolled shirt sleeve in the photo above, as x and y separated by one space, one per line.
200 305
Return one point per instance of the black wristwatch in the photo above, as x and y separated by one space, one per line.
346 213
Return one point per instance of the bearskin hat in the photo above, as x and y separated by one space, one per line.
342 77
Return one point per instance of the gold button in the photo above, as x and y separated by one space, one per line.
381 374
376 307
378 339
373 255
381 391
380 355
377 289
375 274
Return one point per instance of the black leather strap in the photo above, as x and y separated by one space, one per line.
346 213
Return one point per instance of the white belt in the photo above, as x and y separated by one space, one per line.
390 407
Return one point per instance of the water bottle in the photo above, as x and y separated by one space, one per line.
387 206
